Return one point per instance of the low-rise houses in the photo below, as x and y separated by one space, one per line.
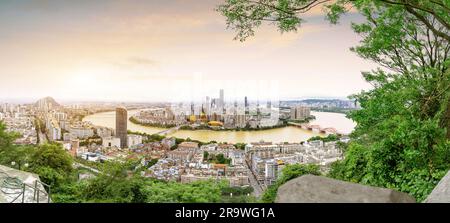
267 159
81 132
24 126
111 142
104 132
186 164
168 142
134 140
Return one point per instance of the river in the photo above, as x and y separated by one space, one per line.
284 134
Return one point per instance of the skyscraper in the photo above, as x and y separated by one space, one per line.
207 106
246 106
300 112
121 125
192 108
222 101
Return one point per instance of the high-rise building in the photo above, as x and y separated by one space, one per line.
258 111
246 106
121 126
240 121
222 100
74 145
300 112
134 140
271 171
60 116
207 106
192 108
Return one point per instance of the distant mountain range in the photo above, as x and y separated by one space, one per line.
311 101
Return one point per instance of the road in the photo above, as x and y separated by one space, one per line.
42 138
168 131
257 190
76 164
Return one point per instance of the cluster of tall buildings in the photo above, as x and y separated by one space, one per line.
217 112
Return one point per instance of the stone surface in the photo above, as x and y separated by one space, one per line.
19 194
441 193
317 189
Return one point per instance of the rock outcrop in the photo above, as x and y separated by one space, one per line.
317 189
441 193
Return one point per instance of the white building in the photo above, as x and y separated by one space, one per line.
271 170
237 158
111 142
60 116
53 129
81 132
134 140
168 142
104 132
68 136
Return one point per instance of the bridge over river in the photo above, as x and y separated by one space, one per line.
316 128
168 131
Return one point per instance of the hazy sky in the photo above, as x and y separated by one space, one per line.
166 50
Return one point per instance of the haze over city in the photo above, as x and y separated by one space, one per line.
160 51
256 102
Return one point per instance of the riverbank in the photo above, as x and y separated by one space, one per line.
344 111
285 123
289 134
135 121
204 127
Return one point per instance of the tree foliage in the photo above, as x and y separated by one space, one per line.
328 138
401 140
245 16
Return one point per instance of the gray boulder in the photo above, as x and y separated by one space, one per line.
317 189
441 193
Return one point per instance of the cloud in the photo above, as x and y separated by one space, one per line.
136 61
141 61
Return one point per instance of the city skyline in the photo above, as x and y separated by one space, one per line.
159 51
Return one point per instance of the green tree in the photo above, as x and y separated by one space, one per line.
196 192
9 152
402 132
52 163
115 183
19 155
6 138
245 16
329 138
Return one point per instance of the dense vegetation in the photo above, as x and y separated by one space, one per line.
328 138
157 125
402 136
219 158
401 140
